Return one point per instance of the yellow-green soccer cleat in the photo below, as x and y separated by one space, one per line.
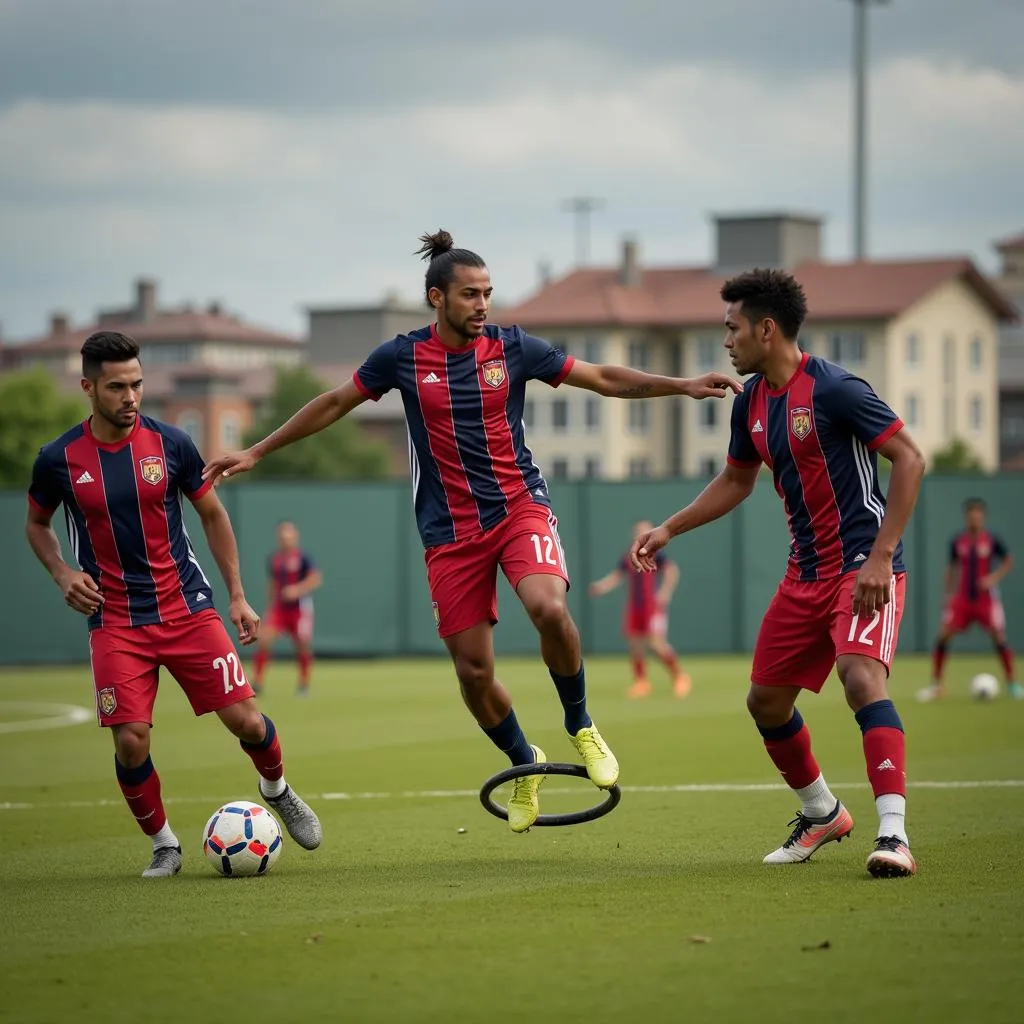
523 805
602 767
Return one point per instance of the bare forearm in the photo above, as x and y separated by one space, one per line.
720 497
904 484
313 417
224 548
624 382
46 547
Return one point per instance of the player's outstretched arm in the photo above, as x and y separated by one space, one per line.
313 417
224 548
81 592
625 382
732 486
873 581
606 584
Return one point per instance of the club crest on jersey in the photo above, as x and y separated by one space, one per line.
494 372
152 467
108 702
437 614
800 421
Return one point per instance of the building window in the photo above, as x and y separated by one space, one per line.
913 350
593 350
847 348
912 412
592 414
192 423
529 413
560 415
709 467
948 359
230 431
948 423
707 354
639 468
1013 428
592 467
560 469
977 353
639 416
638 355
708 416
977 413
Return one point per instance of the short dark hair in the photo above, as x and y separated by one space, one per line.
769 293
439 249
975 503
106 347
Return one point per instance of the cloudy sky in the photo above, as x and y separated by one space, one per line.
278 155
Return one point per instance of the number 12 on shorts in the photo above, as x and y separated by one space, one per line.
865 635
231 667
545 550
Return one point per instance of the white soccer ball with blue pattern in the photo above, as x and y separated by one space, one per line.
242 838
984 687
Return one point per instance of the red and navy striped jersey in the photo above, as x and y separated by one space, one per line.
464 409
286 569
123 509
642 586
976 555
819 436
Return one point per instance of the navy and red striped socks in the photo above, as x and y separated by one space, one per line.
789 747
141 789
885 755
266 756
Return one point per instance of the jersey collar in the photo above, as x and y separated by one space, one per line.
115 446
775 392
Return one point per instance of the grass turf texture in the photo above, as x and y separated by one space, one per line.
399 917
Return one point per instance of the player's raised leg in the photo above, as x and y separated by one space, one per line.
472 652
681 683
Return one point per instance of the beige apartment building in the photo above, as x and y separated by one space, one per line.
925 333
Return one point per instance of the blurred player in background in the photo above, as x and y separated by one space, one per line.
645 618
820 430
480 500
293 578
120 477
978 563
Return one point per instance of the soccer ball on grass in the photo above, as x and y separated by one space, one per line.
984 687
242 838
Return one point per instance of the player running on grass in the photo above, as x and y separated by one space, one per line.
293 578
819 430
480 501
121 477
978 563
645 619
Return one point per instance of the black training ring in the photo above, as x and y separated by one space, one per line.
614 794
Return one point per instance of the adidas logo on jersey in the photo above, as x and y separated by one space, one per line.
861 558
85 478
757 428
431 378
200 597
886 766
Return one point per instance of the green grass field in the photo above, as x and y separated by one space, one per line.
661 911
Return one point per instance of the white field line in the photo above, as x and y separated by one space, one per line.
442 794
54 716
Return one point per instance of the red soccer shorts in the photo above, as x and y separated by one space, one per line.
295 620
645 621
961 613
809 625
463 576
197 651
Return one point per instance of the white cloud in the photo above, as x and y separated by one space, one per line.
272 209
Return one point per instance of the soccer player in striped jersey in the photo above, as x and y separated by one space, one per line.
293 578
480 500
645 617
978 563
121 478
819 430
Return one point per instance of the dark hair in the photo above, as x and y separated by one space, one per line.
975 503
106 347
769 293
439 249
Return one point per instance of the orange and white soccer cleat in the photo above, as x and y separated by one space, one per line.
809 835
891 858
